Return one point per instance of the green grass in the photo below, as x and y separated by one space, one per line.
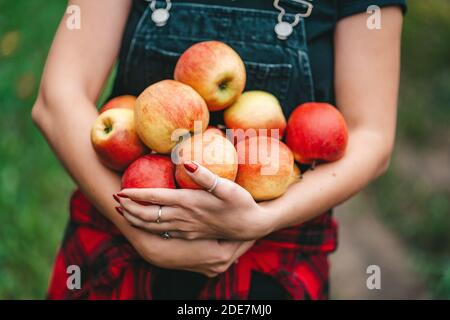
34 189
418 211
425 86
421 216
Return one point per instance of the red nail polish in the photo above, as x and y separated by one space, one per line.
119 210
122 195
190 166
116 198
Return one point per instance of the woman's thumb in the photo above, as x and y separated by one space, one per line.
200 174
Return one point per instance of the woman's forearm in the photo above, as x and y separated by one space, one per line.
67 130
77 66
330 184
367 72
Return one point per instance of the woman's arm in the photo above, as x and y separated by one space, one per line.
367 64
367 69
77 67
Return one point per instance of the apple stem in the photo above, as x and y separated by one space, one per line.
313 165
108 128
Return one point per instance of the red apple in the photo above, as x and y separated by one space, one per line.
256 110
150 171
317 132
266 167
126 101
214 70
115 140
211 150
166 110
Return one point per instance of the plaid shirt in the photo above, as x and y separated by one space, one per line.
111 269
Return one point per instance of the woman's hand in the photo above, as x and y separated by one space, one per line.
228 212
208 257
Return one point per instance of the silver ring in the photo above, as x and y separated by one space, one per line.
216 182
166 235
158 219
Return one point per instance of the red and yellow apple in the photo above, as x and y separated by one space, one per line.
317 132
214 70
150 171
209 149
115 140
126 101
165 111
256 110
266 167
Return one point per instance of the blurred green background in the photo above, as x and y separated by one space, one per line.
412 199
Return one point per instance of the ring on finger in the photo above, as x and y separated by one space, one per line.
158 219
215 183
166 235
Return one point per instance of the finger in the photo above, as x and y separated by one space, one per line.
205 271
157 228
189 235
162 196
243 247
230 245
132 219
207 179
150 213
183 235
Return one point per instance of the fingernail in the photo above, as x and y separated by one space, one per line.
116 198
119 210
122 195
190 166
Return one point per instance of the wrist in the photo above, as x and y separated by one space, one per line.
153 248
266 223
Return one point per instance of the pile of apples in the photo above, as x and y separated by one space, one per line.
148 138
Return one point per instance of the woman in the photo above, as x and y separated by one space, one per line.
277 249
